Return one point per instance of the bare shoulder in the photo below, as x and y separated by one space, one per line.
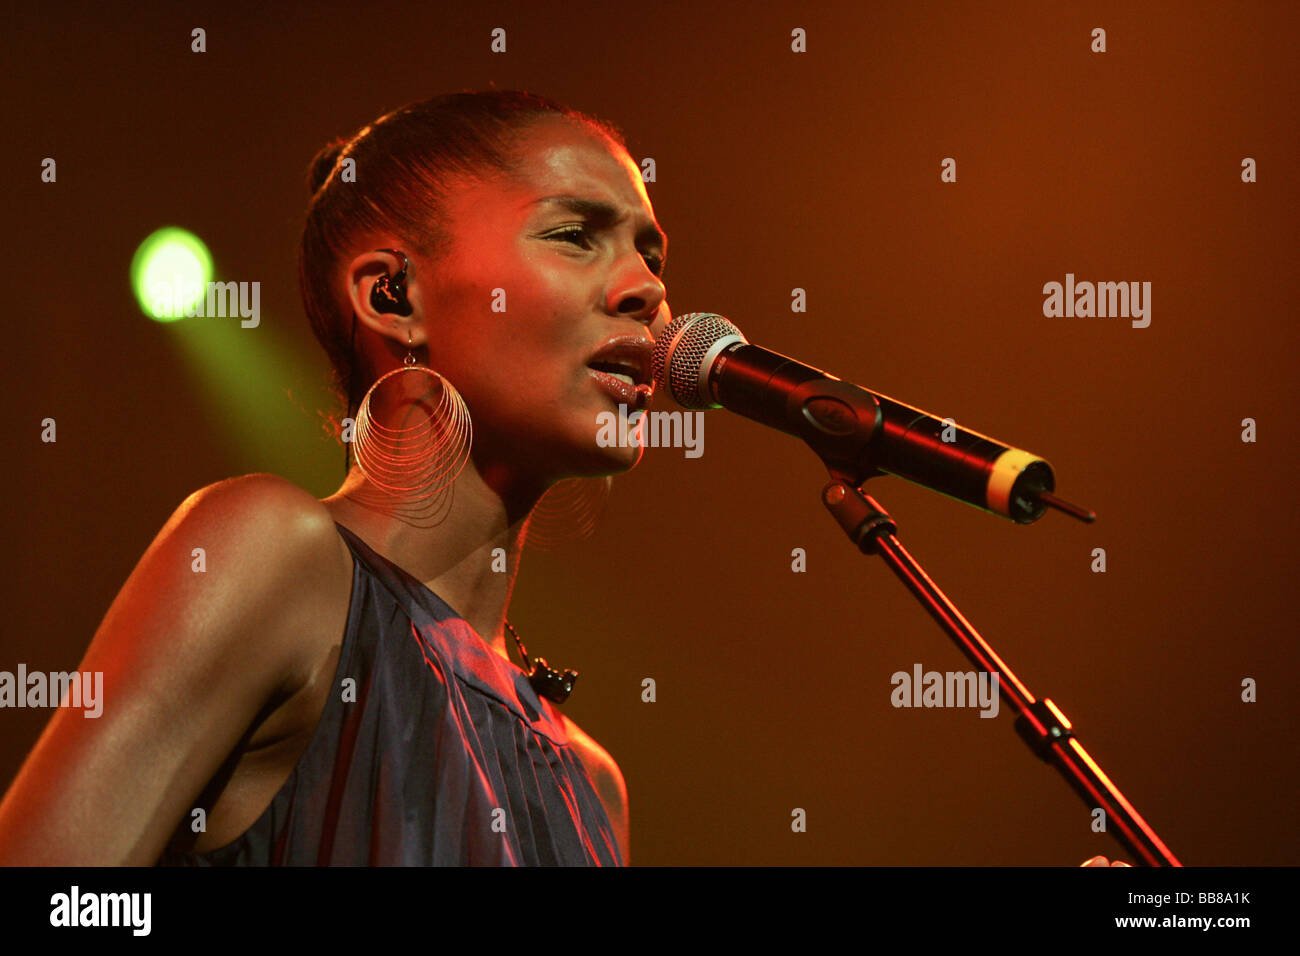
219 620
281 539
262 502
607 777
267 517
594 757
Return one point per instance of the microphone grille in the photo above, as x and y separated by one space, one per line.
679 354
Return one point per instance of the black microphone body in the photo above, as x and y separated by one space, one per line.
707 363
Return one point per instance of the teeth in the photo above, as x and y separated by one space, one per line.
619 371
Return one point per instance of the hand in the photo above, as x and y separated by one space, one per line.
1102 861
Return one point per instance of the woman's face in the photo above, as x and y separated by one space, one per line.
540 278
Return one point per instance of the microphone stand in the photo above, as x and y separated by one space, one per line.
1040 722
843 424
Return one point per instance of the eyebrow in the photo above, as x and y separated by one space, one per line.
602 214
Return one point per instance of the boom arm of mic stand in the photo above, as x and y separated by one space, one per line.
1040 723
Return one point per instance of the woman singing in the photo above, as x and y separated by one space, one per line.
328 681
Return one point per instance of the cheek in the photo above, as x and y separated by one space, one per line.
531 351
527 371
661 321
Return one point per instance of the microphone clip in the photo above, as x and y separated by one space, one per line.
545 679
550 683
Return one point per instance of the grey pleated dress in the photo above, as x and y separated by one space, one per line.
446 757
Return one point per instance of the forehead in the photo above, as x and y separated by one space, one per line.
557 157
557 153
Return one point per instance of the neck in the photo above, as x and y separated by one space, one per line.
449 543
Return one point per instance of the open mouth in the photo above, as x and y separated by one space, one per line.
626 372
626 358
622 370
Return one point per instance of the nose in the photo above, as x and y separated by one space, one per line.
639 295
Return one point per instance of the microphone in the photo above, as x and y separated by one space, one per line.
706 362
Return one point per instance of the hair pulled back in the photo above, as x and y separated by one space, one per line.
405 163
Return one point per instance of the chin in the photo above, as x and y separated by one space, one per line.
605 449
609 460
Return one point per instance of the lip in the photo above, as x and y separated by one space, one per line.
635 397
632 351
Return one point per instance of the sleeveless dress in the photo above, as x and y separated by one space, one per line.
442 754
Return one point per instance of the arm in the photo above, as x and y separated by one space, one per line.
608 779
189 659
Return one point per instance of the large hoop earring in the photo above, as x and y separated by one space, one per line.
569 511
427 443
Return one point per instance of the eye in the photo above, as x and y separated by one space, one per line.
573 233
566 234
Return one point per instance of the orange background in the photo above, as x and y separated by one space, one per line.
775 170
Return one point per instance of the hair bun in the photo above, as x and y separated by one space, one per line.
323 164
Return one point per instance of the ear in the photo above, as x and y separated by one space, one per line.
362 274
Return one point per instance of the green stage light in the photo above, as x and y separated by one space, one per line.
170 273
